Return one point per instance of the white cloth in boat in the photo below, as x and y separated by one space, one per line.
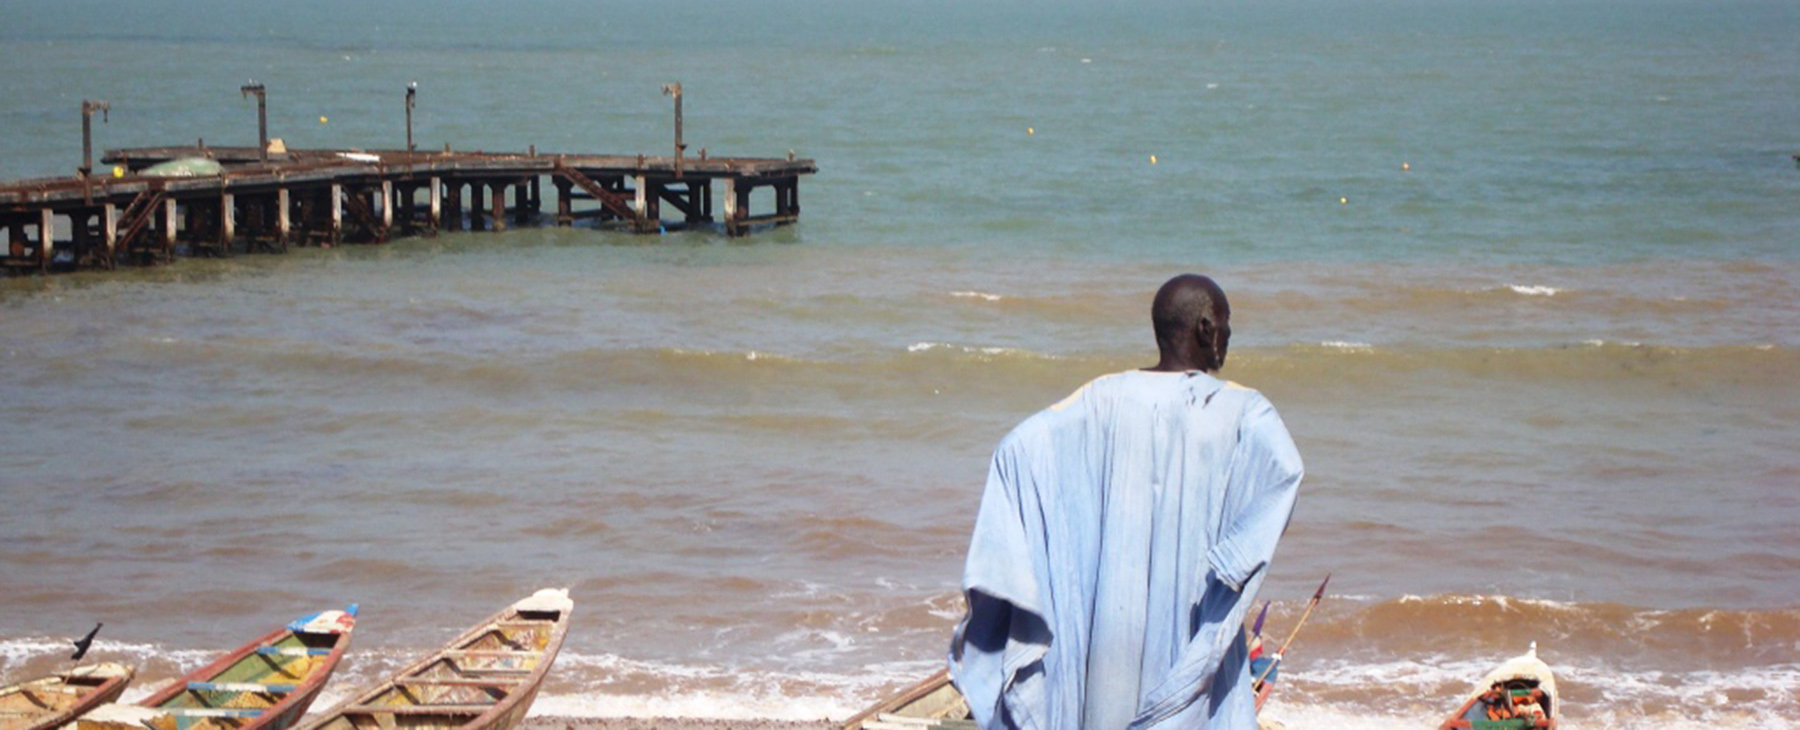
1122 535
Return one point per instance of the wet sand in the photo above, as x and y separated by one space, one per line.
665 723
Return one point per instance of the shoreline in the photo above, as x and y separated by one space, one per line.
551 722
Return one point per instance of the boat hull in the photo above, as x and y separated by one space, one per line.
266 684
50 701
485 679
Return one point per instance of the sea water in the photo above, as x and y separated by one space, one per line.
1521 276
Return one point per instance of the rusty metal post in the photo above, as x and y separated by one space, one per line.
674 90
412 90
87 131
262 117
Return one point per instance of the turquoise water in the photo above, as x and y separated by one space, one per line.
1521 277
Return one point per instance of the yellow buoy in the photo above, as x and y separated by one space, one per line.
1029 131
1343 201
1405 166
118 171
1153 159
322 120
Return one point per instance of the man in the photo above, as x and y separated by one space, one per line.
1122 536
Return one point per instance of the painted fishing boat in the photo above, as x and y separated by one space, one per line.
933 704
266 684
51 701
1520 694
485 679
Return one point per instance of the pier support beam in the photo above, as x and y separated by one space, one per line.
498 190
168 227
437 206
227 220
737 204
452 219
387 203
565 207
337 213
477 206
283 225
46 238
109 225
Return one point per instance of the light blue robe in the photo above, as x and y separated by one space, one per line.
1122 536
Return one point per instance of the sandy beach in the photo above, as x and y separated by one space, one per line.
665 723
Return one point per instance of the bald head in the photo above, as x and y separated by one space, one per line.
1193 324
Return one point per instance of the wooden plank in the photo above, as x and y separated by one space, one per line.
417 709
457 682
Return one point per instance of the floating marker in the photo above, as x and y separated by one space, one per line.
322 120
118 171
1153 159
1343 201
1405 166
1030 131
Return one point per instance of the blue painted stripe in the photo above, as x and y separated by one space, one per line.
244 687
292 651
211 711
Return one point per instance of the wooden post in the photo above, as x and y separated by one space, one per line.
639 203
565 208
109 221
729 195
168 222
46 238
437 204
387 203
499 193
477 206
337 213
227 219
452 220
283 226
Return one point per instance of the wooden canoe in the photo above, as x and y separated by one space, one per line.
51 701
266 684
1520 694
485 679
934 704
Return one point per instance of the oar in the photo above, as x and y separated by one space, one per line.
1275 661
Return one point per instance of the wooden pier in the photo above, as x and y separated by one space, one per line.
121 215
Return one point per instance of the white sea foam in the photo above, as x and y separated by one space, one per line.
971 350
977 295
1533 290
1347 346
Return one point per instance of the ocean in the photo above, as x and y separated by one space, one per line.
1521 276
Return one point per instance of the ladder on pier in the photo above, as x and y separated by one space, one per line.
135 223
614 202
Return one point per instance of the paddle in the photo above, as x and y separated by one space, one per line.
1275 661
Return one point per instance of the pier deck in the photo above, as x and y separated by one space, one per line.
336 196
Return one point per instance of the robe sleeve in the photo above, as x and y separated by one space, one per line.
997 648
1261 490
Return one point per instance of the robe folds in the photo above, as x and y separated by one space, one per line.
1121 538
